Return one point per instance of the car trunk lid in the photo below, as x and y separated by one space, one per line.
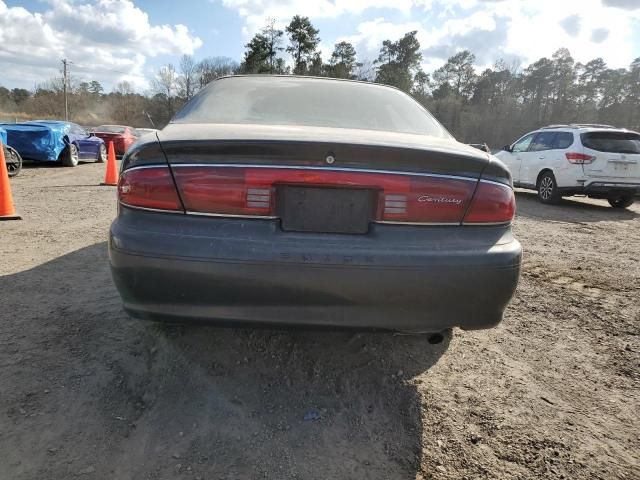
326 179
306 146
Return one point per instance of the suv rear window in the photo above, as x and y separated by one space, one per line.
613 142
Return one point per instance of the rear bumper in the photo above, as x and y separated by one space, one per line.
603 189
176 267
119 148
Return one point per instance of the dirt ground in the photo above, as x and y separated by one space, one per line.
85 392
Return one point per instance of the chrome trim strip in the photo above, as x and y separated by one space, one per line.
600 183
143 167
308 167
485 224
496 183
229 215
391 222
147 209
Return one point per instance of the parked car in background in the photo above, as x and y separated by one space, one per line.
122 136
12 158
54 141
599 161
145 131
481 146
340 204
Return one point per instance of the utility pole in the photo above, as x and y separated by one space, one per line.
64 89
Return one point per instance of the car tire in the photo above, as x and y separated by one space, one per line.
102 154
13 160
548 189
70 156
621 201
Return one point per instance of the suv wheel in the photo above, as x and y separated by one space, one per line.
621 201
548 189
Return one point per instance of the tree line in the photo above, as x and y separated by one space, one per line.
494 105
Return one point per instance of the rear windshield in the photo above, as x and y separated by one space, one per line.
109 129
313 102
614 142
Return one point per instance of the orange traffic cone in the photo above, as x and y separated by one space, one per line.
7 210
111 174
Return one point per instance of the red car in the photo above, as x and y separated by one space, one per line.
121 136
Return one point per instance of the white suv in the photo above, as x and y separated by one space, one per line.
599 161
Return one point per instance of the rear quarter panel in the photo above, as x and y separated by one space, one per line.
36 142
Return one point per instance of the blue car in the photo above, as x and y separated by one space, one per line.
11 156
55 141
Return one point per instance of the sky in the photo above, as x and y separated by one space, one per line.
115 40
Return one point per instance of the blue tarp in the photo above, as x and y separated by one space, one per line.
3 136
38 140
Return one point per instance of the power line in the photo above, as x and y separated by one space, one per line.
64 89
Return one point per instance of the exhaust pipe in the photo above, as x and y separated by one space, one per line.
435 338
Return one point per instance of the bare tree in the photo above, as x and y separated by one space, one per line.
211 68
365 71
188 80
165 84
273 38
122 104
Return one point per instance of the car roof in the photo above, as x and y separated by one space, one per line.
48 122
583 128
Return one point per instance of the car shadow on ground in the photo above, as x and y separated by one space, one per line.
32 164
88 391
572 209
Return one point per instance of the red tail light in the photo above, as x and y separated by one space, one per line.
425 200
149 188
579 158
251 191
492 203
223 190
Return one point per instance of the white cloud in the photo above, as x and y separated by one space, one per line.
370 35
256 12
106 39
112 40
535 31
492 29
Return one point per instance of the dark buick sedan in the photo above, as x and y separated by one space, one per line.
307 201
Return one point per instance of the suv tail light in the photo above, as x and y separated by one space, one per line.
224 190
579 158
150 187
492 203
